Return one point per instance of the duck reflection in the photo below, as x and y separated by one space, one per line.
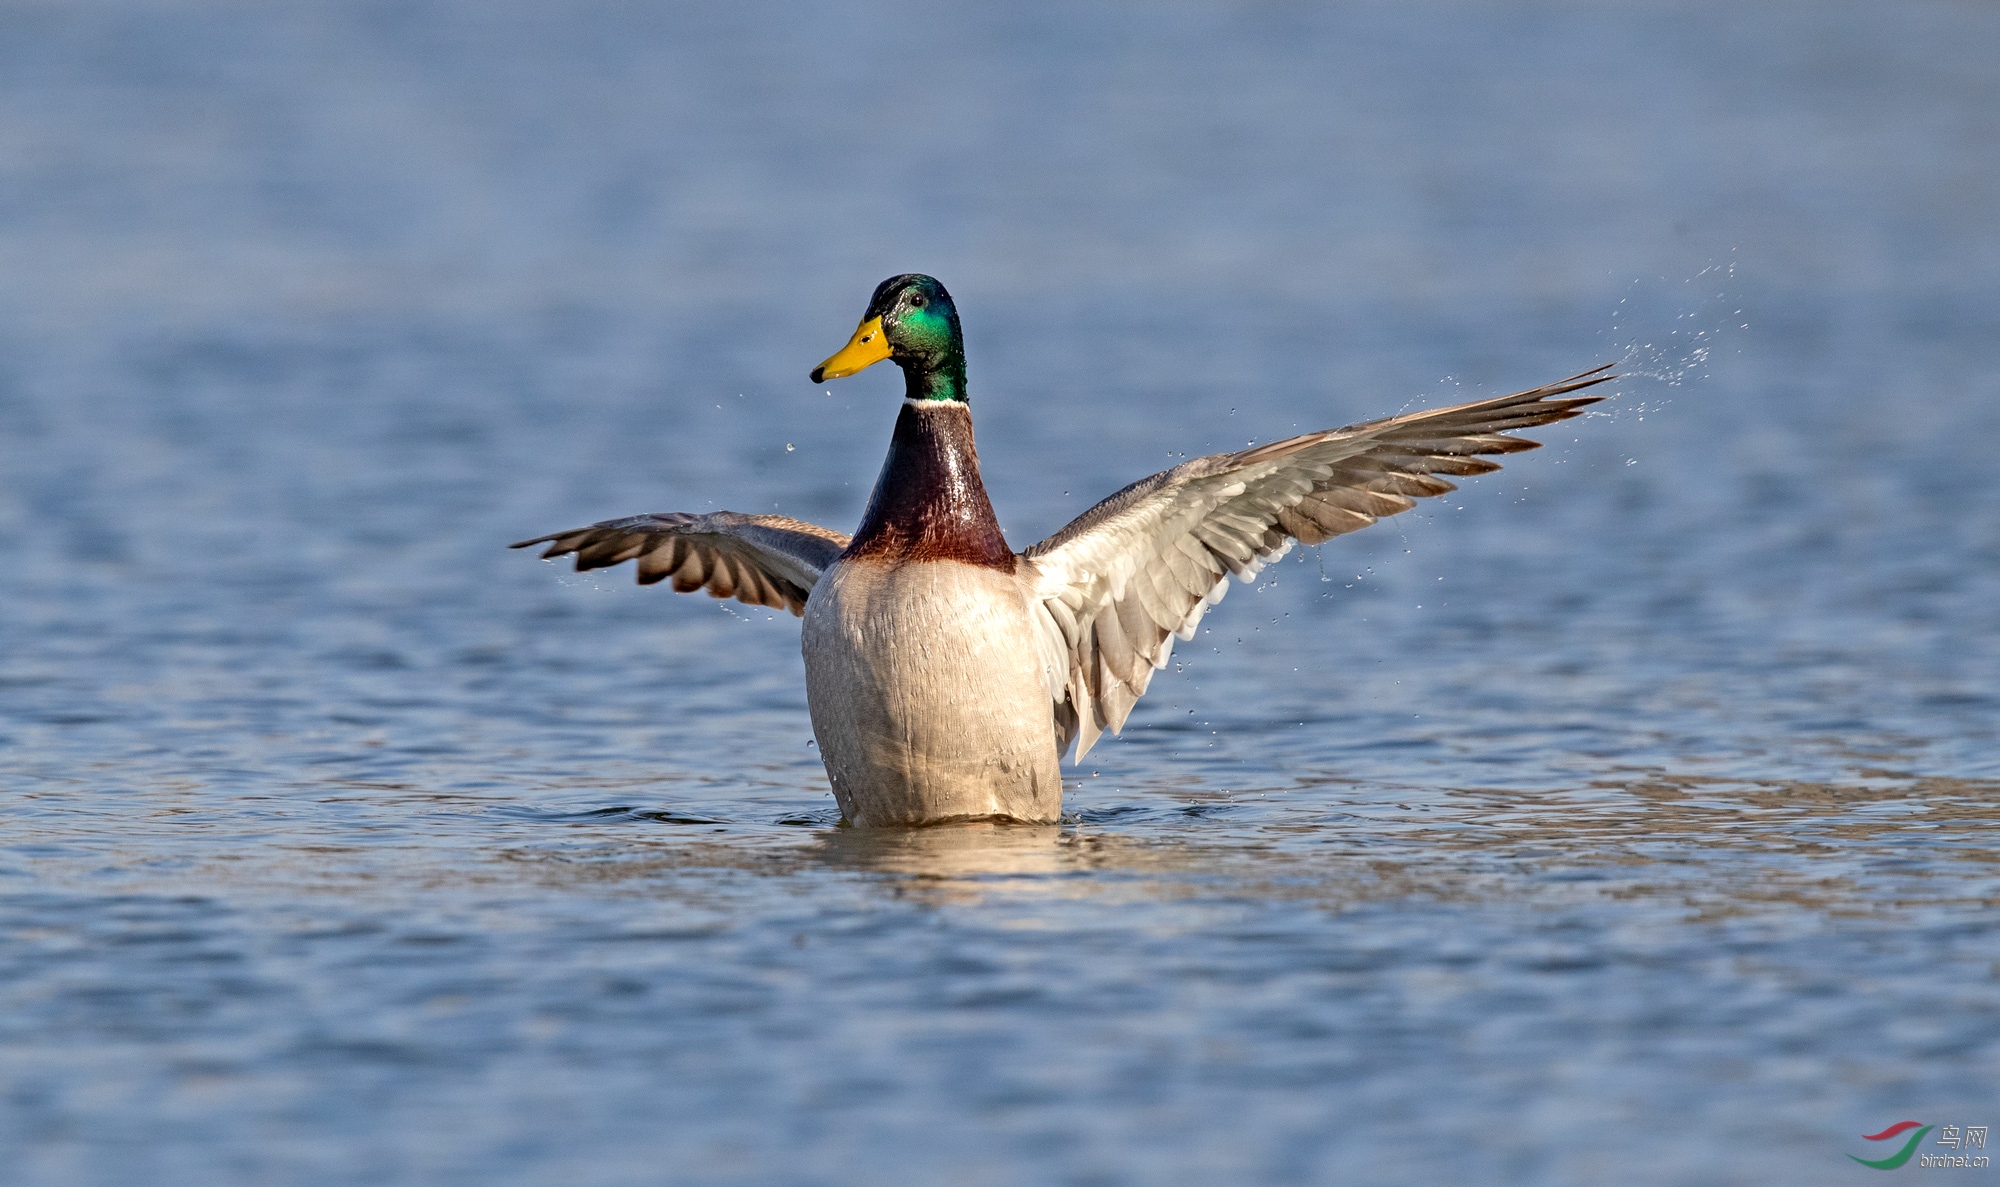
958 862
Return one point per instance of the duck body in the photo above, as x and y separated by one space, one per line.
945 673
927 696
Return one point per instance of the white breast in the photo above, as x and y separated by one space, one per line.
927 696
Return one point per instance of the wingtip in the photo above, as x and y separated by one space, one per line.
1577 383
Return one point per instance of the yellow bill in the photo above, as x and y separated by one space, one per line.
868 347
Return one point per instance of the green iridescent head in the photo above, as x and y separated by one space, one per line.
911 321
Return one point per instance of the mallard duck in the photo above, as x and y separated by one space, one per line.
946 673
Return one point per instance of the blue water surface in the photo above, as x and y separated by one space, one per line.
1627 817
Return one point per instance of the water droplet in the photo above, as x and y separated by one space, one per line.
789 447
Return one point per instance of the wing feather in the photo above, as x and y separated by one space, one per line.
760 560
1111 591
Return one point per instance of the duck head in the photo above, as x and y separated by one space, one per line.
911 321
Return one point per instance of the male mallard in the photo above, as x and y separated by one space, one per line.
947 673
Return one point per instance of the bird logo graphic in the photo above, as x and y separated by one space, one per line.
1901 1156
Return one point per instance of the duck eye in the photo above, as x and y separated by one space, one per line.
917 301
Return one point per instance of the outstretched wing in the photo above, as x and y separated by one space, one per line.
1109 593
764 560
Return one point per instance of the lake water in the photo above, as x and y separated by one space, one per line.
1629 817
